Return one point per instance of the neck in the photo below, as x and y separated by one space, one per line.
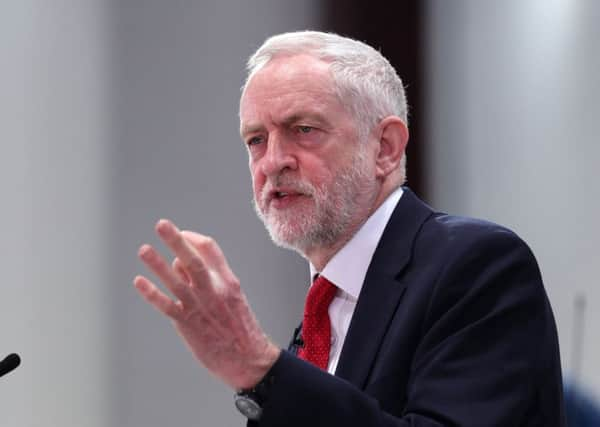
320 256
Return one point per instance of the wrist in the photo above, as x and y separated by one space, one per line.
260 367
250 401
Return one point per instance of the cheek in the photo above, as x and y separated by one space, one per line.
258 179
323 177
325 170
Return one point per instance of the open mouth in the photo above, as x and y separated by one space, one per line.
283 197
280 194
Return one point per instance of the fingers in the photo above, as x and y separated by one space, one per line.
209 250
205 245
156 298
190 260
196 273
178 268
159 266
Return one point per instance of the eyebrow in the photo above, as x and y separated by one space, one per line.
297 117
305 115
249 129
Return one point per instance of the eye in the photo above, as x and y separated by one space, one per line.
305 129
255 140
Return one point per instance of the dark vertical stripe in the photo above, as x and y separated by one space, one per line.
396 29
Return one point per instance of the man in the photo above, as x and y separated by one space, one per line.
423 318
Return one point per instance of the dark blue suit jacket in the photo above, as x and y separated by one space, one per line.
452 328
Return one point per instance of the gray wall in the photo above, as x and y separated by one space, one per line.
179 67
55 89
513 136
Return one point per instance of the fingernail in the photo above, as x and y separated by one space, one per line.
164 225
145 251
139 283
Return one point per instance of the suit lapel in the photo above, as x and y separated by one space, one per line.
382 289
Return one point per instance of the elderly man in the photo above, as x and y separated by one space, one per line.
414 318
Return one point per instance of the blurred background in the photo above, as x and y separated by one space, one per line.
117 113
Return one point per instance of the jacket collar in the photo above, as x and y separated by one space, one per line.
382 289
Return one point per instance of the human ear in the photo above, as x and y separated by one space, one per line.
392 136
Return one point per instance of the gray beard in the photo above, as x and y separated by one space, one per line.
333 216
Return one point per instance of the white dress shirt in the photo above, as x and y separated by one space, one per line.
347 270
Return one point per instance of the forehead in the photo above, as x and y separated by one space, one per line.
287 85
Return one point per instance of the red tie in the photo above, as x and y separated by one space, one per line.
316 327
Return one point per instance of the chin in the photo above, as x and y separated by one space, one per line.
306 226
289 236
304 236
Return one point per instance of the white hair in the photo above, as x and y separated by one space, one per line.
363 79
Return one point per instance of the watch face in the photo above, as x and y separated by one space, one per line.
248 406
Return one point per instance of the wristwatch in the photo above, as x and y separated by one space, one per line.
250 402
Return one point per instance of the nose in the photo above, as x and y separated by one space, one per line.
278 157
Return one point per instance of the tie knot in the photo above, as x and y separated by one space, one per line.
319 297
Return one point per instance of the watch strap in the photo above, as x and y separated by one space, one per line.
250 402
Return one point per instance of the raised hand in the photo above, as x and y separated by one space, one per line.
210 311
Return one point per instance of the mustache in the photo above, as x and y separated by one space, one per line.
289 183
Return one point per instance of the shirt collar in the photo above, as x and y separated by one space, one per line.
348 267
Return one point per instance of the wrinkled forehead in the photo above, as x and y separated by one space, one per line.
287 88
288 74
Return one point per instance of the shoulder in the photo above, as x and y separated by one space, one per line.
457 253
479 267
438 233
459 237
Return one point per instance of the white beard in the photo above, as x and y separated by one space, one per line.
328 212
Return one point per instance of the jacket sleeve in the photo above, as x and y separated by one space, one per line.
487 354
